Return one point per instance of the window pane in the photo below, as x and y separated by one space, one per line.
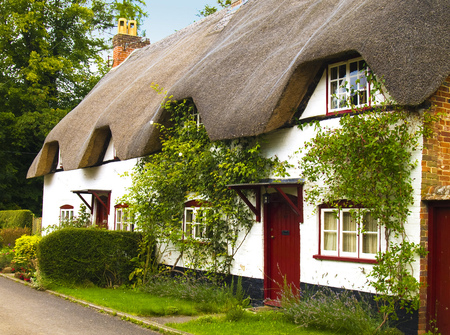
330 221
370 243
342 71
362 82
354 68
189 215
188 229
334 87
353 84
349 224
362 66
119 215
329 241
333 73
369 223
342 88
349 242
198 231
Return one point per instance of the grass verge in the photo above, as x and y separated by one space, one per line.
132 301
262 323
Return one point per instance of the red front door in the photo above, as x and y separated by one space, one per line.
101 217
283 243
439 286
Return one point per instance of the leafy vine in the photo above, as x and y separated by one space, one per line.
192 167
369 159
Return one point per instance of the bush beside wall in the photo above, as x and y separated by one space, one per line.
16 219
8 236
78 256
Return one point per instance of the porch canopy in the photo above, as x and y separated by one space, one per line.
97 194
279 185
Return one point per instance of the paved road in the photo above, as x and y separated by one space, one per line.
25 311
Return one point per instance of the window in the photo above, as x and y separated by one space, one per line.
65 213
348 234
347 84
194 225
123 218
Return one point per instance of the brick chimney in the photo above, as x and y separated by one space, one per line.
126 41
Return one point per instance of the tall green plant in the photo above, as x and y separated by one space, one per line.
191 166
368 159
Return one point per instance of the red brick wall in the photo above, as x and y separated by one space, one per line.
435 172
124 45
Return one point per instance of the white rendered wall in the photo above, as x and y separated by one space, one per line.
249 260
58 187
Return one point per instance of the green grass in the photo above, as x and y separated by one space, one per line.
273 323
132 301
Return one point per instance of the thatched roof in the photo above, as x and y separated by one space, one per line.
248 70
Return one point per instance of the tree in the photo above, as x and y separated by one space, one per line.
208 10
50 58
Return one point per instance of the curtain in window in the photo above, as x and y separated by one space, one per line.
349 232
370 235
330 231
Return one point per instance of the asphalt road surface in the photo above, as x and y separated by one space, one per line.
26 311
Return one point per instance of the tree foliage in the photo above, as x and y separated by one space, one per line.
192 167
50 58
208 10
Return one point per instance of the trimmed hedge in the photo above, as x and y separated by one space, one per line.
16 219
80 255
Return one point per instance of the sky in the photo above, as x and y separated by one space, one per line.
167 16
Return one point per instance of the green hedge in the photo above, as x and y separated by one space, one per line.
16 219
79 255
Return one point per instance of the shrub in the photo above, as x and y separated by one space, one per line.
329 310
26 246
8 236
16 219
6 256
77 256
213 297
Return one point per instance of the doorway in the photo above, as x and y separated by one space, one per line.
438 304
101 207
282 246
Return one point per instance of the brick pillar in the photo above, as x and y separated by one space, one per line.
124 45
435 172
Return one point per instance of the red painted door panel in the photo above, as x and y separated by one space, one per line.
441 284
284 248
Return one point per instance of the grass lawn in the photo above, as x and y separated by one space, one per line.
251 324
140 303
132 301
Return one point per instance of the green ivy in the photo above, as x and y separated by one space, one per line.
192 167
368 159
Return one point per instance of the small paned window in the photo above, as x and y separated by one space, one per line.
122 217
194 225
347 85
65 213
348 233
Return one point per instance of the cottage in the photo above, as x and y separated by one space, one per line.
252 70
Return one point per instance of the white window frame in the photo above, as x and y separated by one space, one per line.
344 87
192 228
65 214
122 217
339 231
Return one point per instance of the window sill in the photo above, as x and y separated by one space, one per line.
345 259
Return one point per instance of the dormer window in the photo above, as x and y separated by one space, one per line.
59 166
347 85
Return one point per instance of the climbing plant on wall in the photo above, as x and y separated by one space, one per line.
369 159
191 167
